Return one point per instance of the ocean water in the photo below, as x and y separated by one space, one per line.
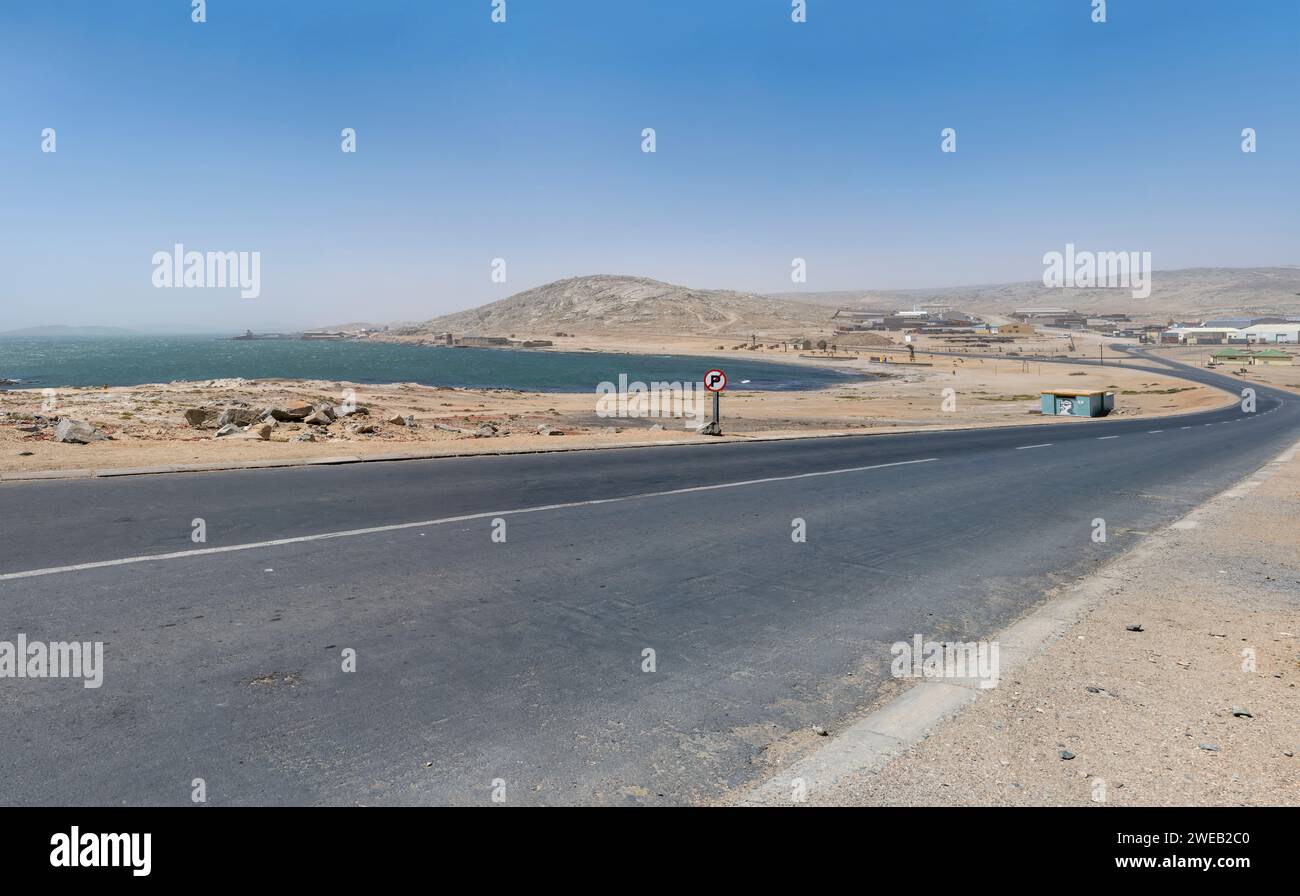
51 362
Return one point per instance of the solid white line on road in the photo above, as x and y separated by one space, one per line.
1044 445
1104 438
350 533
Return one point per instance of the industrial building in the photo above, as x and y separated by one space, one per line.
1285 332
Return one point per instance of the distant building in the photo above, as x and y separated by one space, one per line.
1267 357
1039 312
1285 332
1241 323
1271 357
1228 355
1195 335
1015 330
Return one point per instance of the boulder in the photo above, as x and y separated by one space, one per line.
399 420
258 432
545 430
77 432
485 431
709 429
319 417
350 410
292 413
202 418
365 429
237 416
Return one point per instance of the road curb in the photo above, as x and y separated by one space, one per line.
870 743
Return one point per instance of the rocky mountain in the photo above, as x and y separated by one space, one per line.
615 305
1185 293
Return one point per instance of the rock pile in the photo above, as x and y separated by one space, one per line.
237 420
65 429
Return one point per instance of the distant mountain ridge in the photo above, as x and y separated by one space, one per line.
618 305
1187 292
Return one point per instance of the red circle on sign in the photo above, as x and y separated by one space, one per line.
715 380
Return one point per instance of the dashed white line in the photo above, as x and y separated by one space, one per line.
1104 438
1044 445
350 533
1151 432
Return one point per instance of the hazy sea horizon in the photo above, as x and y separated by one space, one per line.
53 362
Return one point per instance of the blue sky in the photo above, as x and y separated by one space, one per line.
522 141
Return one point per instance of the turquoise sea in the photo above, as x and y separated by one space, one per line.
40 362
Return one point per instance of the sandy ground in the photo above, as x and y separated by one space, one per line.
1209 599
1279 377
148 428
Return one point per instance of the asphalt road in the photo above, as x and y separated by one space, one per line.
522 662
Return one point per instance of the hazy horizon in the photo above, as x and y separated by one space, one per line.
478 140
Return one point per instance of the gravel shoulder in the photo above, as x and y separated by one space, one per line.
1146 717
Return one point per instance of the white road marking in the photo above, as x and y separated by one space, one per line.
1027 447
351 533
1184 427
1151 432
1104 438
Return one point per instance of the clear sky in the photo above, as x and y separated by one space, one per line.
522 140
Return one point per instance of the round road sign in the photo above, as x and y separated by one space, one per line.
715 380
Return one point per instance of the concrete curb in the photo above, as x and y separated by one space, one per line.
870 743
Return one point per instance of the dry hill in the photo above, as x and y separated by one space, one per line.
613 305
